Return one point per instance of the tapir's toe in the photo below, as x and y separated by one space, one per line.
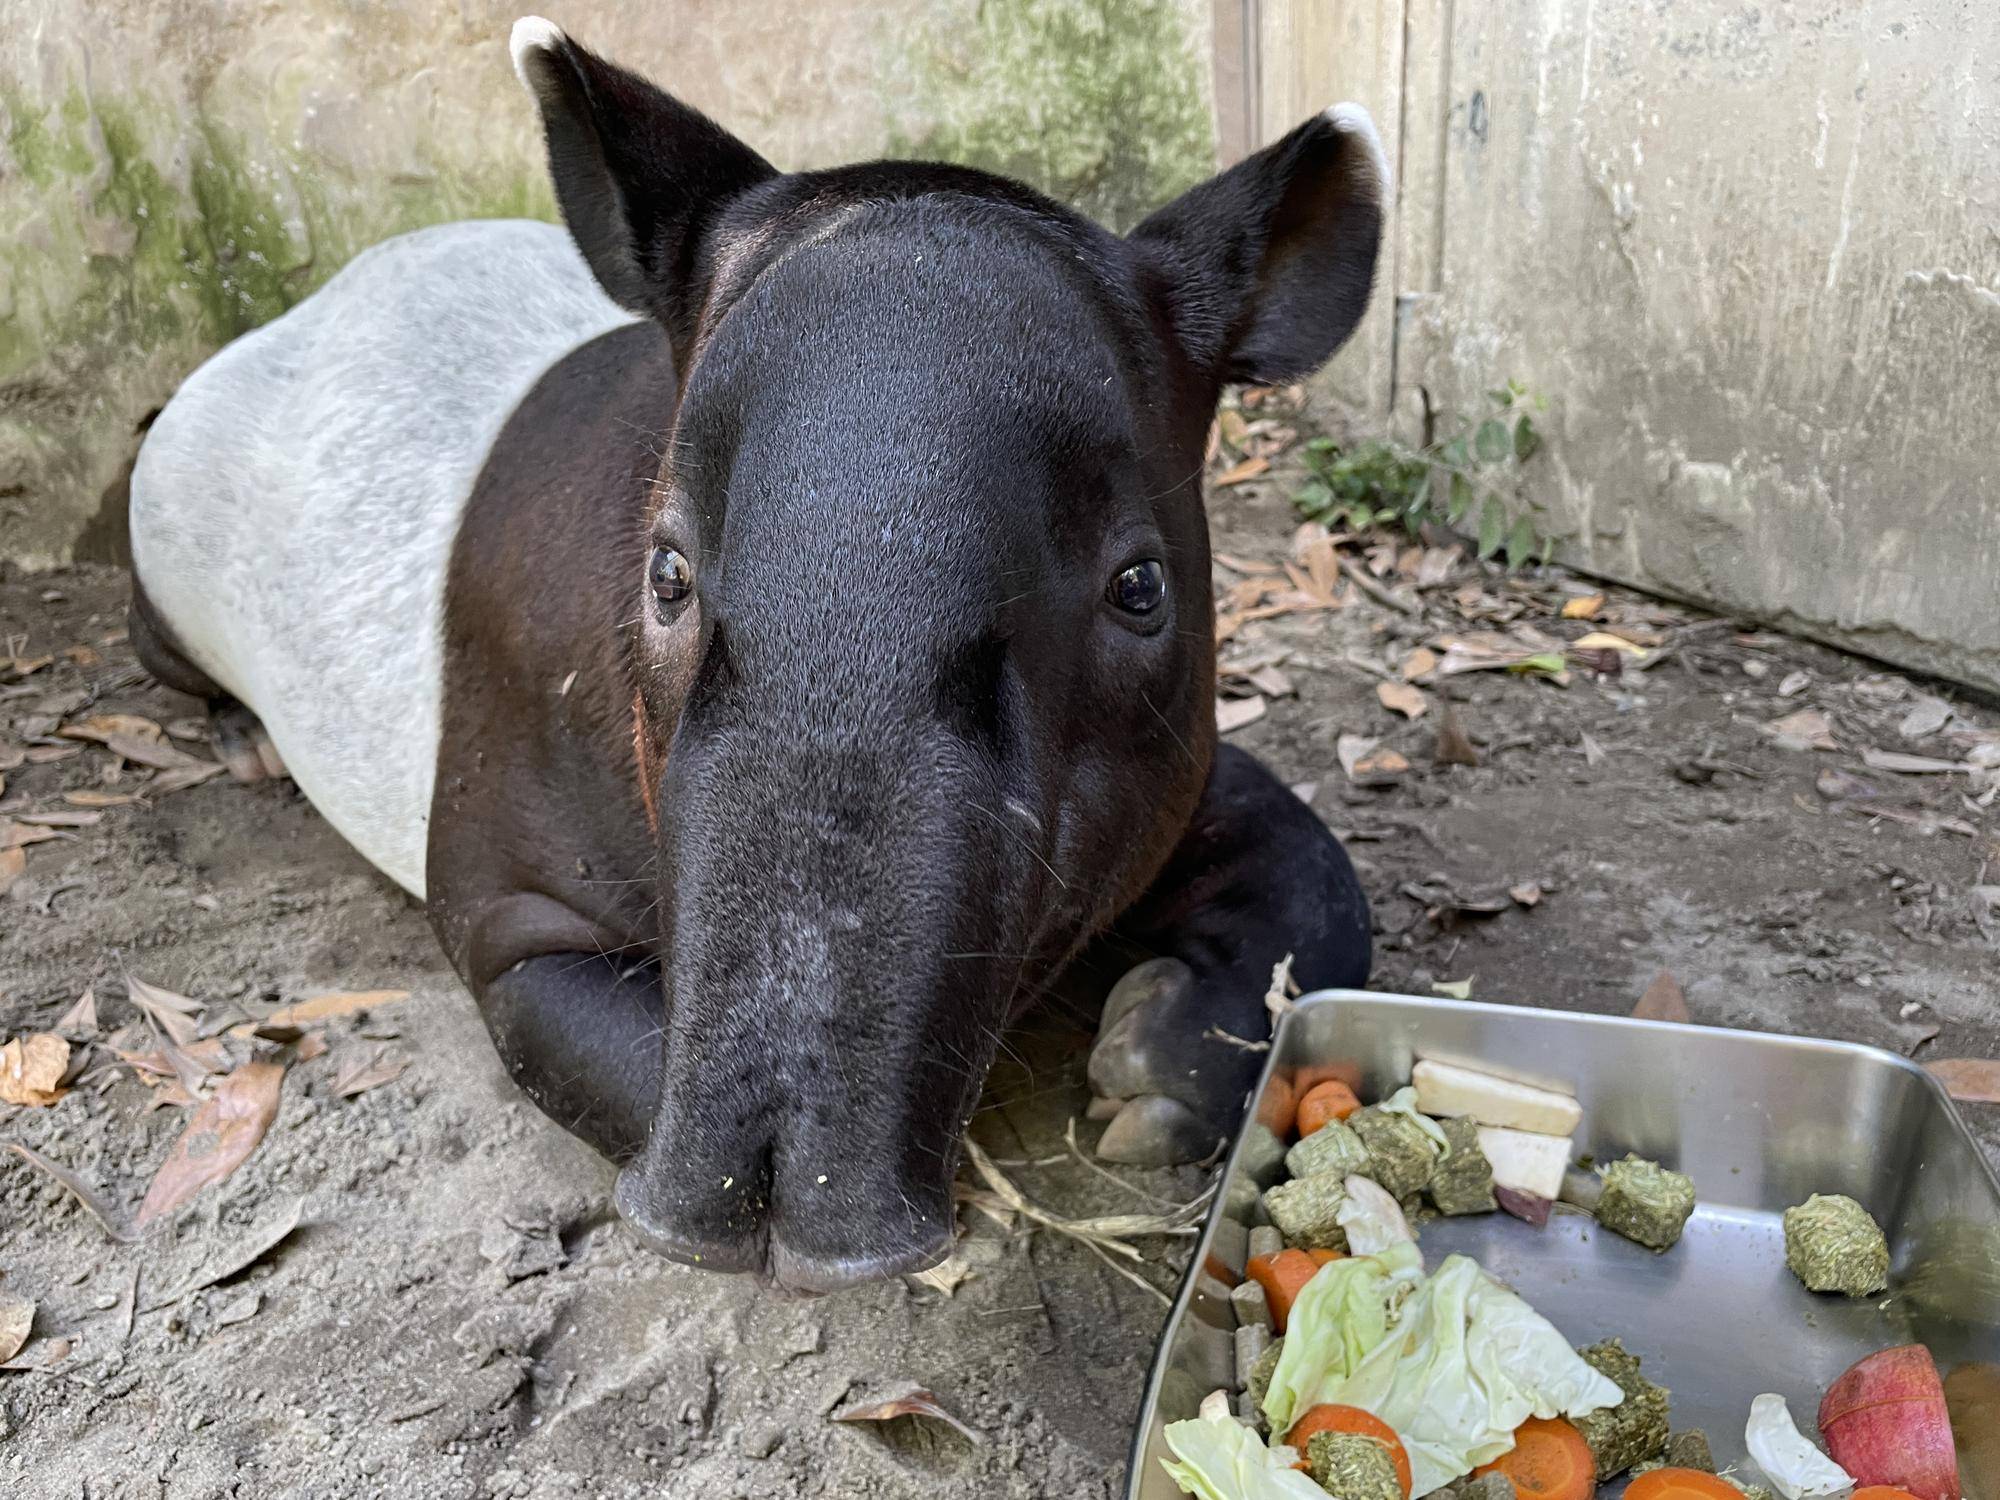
242 744
1155 1131
1163 1048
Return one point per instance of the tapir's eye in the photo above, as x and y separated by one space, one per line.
1141 588
671 576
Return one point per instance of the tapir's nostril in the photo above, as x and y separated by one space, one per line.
737 1248
802 1248
812 1273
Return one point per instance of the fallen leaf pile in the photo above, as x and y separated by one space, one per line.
142 763
227 1072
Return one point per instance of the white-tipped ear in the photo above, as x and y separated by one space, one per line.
532 35
1354 120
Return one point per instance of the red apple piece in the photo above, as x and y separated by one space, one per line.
1885 1422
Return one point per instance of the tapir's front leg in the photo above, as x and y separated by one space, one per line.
1257 876
580 1034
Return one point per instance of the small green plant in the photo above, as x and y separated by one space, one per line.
1381 482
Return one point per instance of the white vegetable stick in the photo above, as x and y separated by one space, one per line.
1448 1089
1791 1463
1526 1161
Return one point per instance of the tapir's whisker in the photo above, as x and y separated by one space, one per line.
1013 834
1147 699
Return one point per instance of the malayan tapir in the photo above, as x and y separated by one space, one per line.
770 627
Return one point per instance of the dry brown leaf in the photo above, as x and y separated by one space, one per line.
1526 895
157 754
1663 1001
1604 640
1808 729
1232 714
44 755
913 1402
15 835
1242 564
218 1138
1272 683
1239 473
368 1068
311 1045
1369 762
1454 746
82 1016
26 666
1400 697
1419 663
1923 819
1926 719
57 817
99 1207
101 727
1486 651
1587 607
13 863
89 798
176 1015
946 1275
324 1007
240 1257
32 1068
16 1320
1311 593
1970 1080
1912 765
180 778
53 1352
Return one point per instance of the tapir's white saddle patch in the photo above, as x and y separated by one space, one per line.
294 506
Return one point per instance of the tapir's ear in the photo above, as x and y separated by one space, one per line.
1265 269
639 175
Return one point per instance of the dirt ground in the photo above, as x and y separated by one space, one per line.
459 1314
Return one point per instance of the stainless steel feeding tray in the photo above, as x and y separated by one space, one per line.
1759 1122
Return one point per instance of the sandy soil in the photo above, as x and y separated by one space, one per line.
460 1315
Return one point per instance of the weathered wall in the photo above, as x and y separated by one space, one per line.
1750 253
171 175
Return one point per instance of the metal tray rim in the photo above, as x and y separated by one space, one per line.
1157 1367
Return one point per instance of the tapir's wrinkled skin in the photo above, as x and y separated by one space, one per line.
774 667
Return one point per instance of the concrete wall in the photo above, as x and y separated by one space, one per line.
171 175
1751 255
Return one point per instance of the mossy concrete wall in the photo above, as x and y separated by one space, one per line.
172 175
1751 256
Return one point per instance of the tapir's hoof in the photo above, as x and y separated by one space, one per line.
1155 1131
242 745
1161 1068
1124 1063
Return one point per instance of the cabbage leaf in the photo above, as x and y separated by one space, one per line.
1459 1367
1222 1459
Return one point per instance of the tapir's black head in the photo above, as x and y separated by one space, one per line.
925 638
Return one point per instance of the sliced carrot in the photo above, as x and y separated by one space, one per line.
1550 1461
1693 1484
1219 1269
1335 1418
1332 1100
1310 1077
1882 1492
1282 1276
1325 1257
1279 1106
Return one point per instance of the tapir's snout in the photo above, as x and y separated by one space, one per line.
835 997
